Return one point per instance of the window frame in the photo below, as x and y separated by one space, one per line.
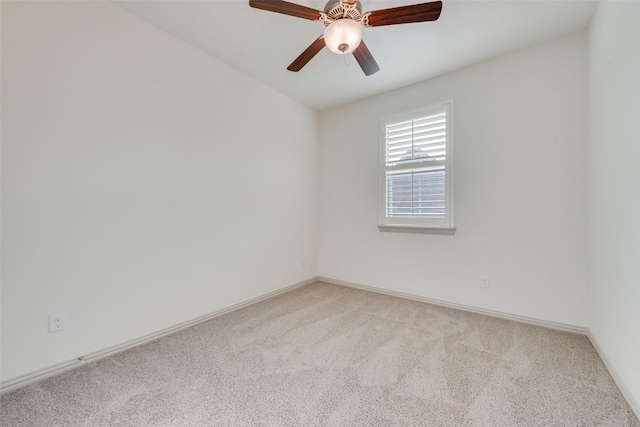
419 225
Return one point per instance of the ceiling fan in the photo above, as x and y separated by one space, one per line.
344 21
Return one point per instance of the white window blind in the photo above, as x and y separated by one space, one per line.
416 194
417 168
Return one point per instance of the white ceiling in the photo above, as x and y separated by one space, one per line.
262 44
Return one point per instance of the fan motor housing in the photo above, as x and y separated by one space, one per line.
335 10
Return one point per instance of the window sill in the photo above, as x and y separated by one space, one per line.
417 229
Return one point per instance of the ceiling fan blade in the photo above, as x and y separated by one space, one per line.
404 14
365 59
287 8
307 55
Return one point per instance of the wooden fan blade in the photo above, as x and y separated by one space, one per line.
405 14
286 8
307 55
365 59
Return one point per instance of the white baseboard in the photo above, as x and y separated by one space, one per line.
622 386
39 375
523 319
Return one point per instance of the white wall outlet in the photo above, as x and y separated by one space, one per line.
304 262
57 322
484 282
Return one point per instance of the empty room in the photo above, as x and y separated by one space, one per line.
311 213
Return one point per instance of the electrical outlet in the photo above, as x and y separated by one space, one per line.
57 322
304 262
484 282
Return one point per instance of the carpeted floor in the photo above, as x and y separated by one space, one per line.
329 355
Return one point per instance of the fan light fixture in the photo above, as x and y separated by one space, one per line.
343 36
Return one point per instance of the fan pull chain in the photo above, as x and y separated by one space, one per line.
344 55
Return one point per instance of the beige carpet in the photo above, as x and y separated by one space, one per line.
329 355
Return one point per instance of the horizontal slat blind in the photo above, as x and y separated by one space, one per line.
416 193
415 154
421 138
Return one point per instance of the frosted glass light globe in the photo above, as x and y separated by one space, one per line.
343 36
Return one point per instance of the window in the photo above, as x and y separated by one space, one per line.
417 171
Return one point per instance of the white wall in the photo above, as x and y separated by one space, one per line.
520 136
143 183
613 174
